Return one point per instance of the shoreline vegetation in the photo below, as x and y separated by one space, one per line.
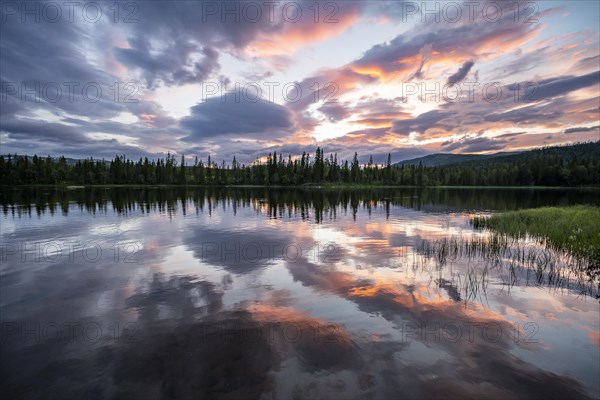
513 262
564 252
575 165
573 229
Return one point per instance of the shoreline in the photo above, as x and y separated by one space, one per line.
308 186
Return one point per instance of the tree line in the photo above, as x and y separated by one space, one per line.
573 165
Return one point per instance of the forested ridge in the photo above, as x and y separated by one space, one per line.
572 165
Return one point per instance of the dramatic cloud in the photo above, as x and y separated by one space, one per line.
335 111
136 79
560 86
240 116
582 129
461 73
473 145
174 66
45 132
443 42
421 123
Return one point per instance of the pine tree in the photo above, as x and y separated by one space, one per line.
182 180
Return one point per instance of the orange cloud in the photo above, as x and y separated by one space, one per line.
595 337
304 32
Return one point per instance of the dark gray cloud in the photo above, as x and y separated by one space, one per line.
379 108
461 73
335 111
526 115
582 129
511 135
421 123
563 85
474 144
42 131
240 117
175 65
520 62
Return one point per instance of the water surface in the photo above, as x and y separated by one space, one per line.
257 293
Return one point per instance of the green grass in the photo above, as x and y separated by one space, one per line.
575 229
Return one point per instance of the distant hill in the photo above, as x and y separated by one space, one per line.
564 165
442 159
589 150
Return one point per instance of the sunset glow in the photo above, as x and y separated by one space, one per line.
371 77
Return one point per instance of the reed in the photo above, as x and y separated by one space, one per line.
514 261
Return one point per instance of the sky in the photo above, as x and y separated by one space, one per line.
147 78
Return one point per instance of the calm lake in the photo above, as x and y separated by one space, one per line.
289 293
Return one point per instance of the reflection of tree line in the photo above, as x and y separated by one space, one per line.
278 203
